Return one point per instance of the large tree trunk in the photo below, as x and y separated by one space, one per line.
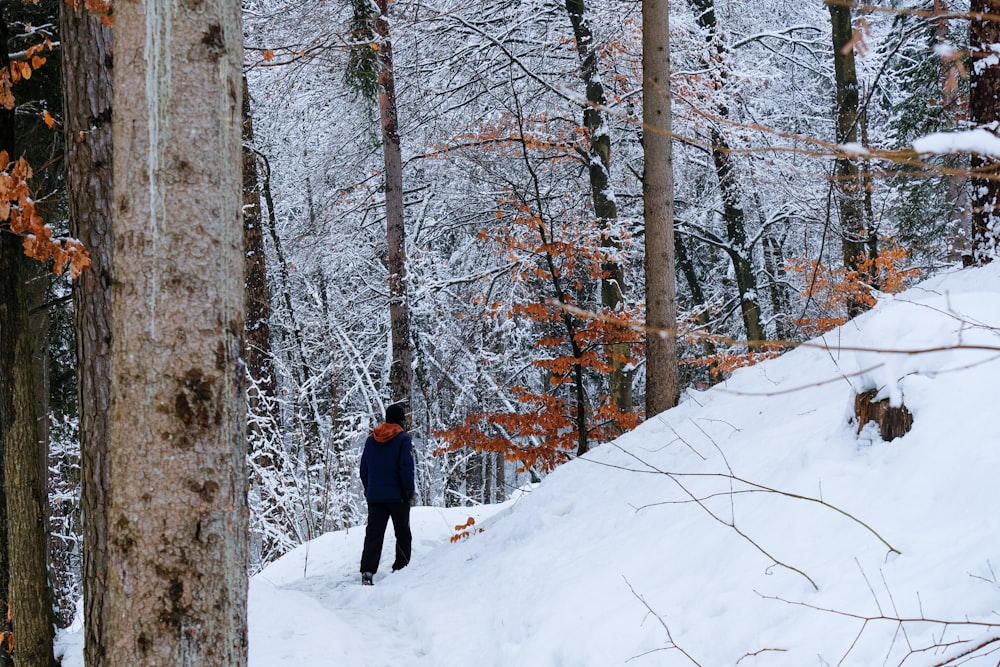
12 319
25 473
602 193
177 515
847 182
401 372
87 95
24 468
25 465
662 384
984 112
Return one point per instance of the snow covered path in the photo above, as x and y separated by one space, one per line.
309 608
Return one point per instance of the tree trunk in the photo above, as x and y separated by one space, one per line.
500 469
24 465
401 371
953 105
774 266
12 320
177 515
87 94
662 384
605 206
28 594
454 466
25 468
739 251
686 267
847 182
984 91
258 295
474 479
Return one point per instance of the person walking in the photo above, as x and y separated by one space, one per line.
390 489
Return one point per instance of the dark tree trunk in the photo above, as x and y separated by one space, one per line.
984 112
25 468
605 207
686 267
774 265
401 372
25 472
739 251
258 296
847 182
12 320
87 74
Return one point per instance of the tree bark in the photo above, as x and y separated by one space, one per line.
12 320
739 251
25 465
401 371
87 96
847 182
662 383
984 112
177 515
258 295
25 527
603 195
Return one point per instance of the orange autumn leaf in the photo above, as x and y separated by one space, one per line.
17 207
37 61
269 55
50 122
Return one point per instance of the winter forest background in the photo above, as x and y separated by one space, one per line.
798 197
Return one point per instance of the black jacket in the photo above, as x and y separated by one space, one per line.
387 465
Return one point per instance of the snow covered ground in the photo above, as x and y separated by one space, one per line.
751 525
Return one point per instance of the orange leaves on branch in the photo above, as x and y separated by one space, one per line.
723 363
18 211
6 94
832 287
21 66
464 530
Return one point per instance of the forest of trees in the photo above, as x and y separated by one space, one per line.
231 236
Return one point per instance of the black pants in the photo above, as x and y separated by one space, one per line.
378 517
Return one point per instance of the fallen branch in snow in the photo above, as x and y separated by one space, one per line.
754 654
673 645
962 650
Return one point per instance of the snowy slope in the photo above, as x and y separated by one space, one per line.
665 548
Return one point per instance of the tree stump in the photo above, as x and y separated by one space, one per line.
892 422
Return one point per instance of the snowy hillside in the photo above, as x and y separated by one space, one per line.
673 546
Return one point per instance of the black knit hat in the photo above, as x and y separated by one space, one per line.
395 414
